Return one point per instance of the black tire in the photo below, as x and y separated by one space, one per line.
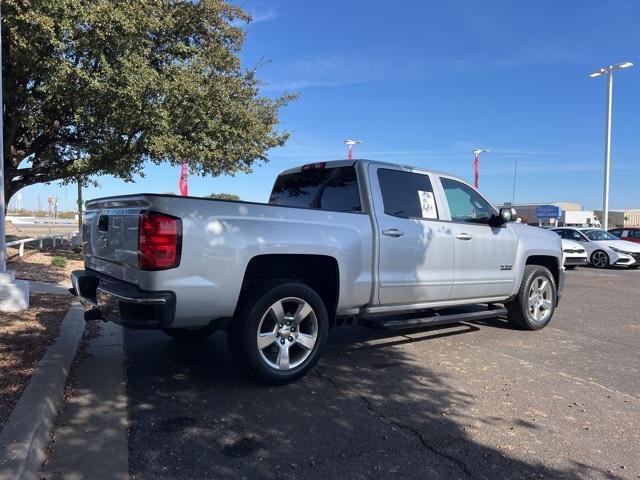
600 259
190 335
523 316
255 312
570 267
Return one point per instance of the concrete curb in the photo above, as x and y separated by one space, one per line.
25 436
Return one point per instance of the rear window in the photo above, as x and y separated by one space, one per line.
334 189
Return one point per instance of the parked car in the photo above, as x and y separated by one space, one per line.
604 249
630 234
385 245
574 254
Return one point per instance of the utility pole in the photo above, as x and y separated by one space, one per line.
607 133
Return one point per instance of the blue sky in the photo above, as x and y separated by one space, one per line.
424 82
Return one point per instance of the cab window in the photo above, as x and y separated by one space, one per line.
334 189
407 194
465 204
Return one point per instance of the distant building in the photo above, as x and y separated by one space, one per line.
623 218
556 214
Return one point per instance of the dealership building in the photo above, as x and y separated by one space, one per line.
622 218
571 214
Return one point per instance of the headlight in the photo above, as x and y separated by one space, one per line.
617 250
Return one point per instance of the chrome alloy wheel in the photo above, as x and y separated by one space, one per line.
599 259
540 299
287 333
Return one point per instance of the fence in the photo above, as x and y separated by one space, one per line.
53 236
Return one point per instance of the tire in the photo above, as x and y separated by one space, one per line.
291 343
600 259
190 335
570 267
539 286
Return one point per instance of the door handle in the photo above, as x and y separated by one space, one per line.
464 236
393 232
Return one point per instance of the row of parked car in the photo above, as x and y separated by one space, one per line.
602 249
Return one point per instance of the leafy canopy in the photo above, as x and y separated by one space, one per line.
224 196
100 87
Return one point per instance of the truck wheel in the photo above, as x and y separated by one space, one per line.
190 335
279 332
600 259
536 300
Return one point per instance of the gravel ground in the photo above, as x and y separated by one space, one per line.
36 265
24 337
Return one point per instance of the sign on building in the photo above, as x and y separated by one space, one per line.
547 211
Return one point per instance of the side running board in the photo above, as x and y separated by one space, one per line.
441 317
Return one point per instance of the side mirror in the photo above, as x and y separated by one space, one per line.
507 214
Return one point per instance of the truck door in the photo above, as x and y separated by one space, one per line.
414 249
483 256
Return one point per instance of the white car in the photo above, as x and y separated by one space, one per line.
573 254
603 248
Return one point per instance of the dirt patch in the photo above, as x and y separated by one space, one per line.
36 265
24 337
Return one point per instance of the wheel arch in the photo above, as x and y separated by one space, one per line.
548 261
320 272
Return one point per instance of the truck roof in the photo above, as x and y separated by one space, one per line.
346 163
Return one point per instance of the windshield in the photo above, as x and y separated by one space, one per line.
599 235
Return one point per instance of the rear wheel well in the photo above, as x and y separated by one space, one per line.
319 272
551 263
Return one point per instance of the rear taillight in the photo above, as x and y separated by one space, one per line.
159 241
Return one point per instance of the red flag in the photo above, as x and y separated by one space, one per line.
184 188
476 170
350 154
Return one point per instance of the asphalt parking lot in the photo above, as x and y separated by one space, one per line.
466 401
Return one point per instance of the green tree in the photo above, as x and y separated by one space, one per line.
100 87
223 196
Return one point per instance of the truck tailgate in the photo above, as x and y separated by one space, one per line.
110 241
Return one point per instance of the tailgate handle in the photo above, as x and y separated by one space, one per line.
103 223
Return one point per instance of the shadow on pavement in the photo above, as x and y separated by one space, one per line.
367 411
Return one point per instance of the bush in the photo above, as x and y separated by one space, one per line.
59 262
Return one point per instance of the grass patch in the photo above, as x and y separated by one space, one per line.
59 262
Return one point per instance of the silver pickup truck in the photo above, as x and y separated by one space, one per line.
383 245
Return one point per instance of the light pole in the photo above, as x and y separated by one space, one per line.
350 144
3 249
515 173
607 132
476 165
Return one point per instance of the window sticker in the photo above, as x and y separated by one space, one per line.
427 204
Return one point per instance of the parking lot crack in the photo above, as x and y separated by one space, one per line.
408 428
416 433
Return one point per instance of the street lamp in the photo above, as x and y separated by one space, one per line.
3 251
476 164
350 144
607 132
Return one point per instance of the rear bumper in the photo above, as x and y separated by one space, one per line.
123 303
